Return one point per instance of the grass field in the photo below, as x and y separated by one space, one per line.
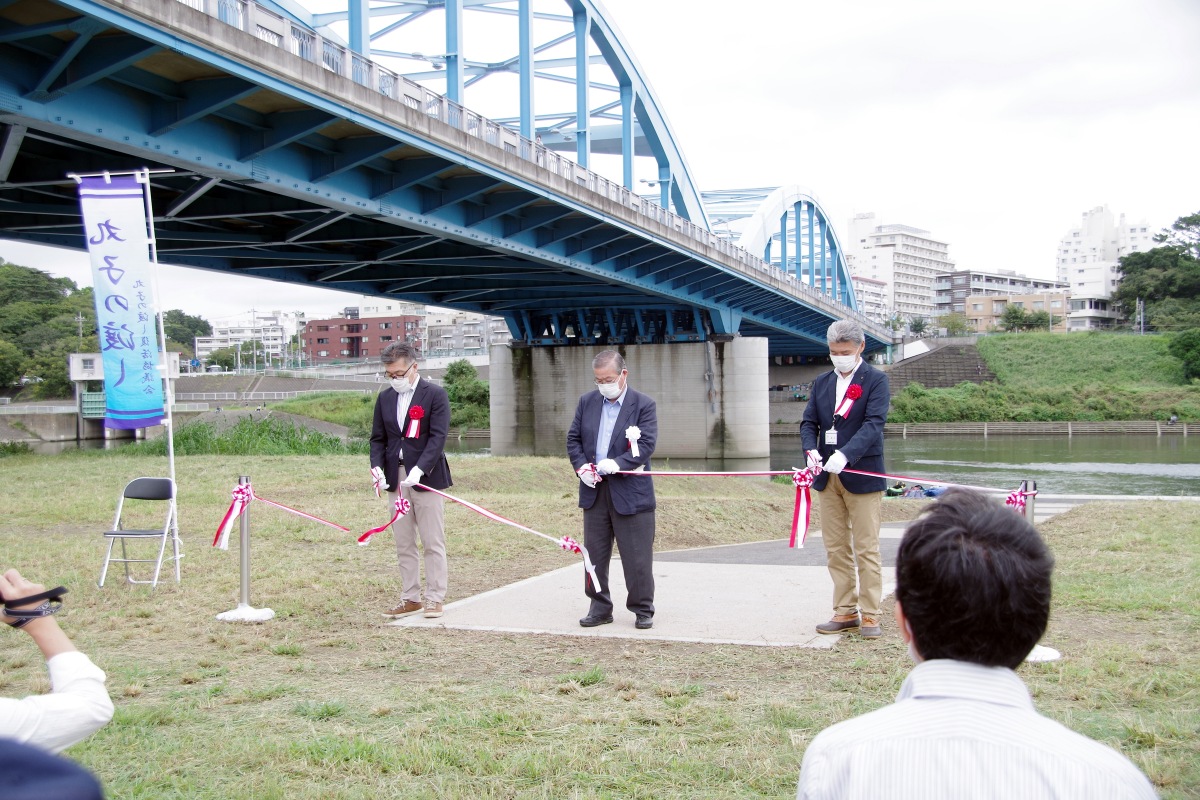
1054 377
325 701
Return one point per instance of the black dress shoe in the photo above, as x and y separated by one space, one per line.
592 620
644 622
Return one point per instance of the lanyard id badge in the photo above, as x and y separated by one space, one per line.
831 437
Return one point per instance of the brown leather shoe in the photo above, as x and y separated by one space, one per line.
871 629
841 623
433 610
404 609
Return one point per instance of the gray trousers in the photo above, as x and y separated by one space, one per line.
424 519
634 535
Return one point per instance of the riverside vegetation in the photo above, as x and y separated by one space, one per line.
1055 377
325 701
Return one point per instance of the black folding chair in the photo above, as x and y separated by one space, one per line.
144 492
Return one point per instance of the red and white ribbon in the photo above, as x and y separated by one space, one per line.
853 392
802 479
402 507
379 481
243 494
1017 499
565 542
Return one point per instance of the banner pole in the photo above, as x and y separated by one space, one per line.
143 177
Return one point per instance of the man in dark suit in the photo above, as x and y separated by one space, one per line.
843 427
615 429
408 441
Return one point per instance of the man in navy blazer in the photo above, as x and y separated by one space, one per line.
614 430
843 427
408 441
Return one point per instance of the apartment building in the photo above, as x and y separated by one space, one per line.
904 258
1087 261
952 289
273 331
985 312
351 337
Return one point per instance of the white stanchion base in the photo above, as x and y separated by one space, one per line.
245 613
1041 654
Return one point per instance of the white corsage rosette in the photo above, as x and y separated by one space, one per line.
633 433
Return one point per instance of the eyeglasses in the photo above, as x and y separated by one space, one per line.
607 381
394 375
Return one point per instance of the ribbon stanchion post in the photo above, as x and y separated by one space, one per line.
240 508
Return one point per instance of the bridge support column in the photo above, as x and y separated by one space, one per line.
711 396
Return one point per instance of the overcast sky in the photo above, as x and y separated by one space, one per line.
992 125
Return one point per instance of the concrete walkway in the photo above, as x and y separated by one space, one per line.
762 593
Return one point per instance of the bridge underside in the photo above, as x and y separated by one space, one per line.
288 184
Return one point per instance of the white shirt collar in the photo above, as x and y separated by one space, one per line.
947 678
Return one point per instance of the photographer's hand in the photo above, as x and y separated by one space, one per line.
44 631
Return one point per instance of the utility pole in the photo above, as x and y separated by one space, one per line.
79 319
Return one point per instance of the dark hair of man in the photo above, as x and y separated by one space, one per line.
399 350
973 578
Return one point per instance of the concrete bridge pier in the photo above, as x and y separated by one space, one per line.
712 396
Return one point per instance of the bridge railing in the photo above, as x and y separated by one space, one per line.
249 16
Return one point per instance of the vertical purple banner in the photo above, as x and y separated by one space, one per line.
114 218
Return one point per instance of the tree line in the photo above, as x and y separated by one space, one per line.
44 319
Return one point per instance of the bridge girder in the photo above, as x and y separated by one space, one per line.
298 183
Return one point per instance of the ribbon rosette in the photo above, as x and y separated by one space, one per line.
242 495
415 415
633 433
1016 499
853 392
802 479
402 508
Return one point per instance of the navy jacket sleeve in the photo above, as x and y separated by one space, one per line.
575 449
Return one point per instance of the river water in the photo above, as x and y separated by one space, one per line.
1109 464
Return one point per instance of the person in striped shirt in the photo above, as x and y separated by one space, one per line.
972 600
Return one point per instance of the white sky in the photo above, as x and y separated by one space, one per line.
992 125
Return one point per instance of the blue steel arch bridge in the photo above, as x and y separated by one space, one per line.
324 149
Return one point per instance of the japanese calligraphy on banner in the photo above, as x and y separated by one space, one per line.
114 218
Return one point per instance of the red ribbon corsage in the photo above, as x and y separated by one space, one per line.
854 391
415 415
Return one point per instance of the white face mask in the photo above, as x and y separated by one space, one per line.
843 363
611 391
400 384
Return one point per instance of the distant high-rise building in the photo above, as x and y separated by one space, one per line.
905 259
1087 262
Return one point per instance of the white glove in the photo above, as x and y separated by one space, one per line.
413 477
608 467
814 458
836 462
587 474
380 483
